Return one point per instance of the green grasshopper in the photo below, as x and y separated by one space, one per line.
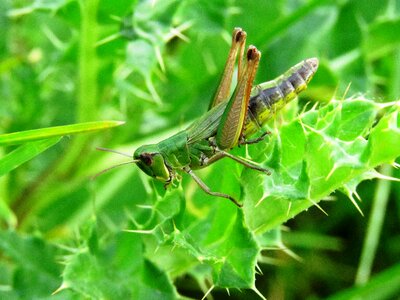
229 121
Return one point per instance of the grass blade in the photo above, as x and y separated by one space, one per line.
24 153
42 133
385 285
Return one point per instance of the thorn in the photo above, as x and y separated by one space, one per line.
178 32
387 104
276 248
396 165
329 198
130 88
271 261
319 207
289 207
144 206
51 36
335 166
175 228
259 269
258 293
355 204
357 196
322 146
160 75
310 128
116 18
227 291
208 292
260 201
292 254
302 126
201 258
384 177
155 97
63 286
159 58
107 39
314 107
163 232
63 263
335 93
132 218
346 91
173 247
67 248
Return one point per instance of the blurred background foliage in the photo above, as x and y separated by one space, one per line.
155 65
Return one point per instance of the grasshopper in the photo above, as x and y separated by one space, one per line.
229 120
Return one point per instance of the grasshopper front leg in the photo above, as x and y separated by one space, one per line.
256 140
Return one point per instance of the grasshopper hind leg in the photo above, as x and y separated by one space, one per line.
207 190
245 162
235 53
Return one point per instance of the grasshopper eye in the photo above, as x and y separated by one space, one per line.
147 158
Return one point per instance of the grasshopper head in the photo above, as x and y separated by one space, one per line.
150 161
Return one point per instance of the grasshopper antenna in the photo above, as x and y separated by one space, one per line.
113 151
113 167
133 161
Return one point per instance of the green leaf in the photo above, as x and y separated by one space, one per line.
63 60
52 5
117 270
237 257
381 38
223 242
216 247
312 156
36 269
384 140
24 153
318 153
42 133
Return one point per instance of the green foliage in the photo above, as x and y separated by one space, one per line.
24 153
37 270
155 65
108 269
44 133
383 286
314 155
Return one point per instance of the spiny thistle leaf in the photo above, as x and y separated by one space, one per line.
317 153
116 270
311 156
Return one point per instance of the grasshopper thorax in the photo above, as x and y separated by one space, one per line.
150 161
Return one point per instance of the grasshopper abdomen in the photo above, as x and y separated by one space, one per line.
269 97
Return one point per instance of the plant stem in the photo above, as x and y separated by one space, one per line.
381 196
374 229
86 110
87 83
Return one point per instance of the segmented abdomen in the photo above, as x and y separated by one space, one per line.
269 97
